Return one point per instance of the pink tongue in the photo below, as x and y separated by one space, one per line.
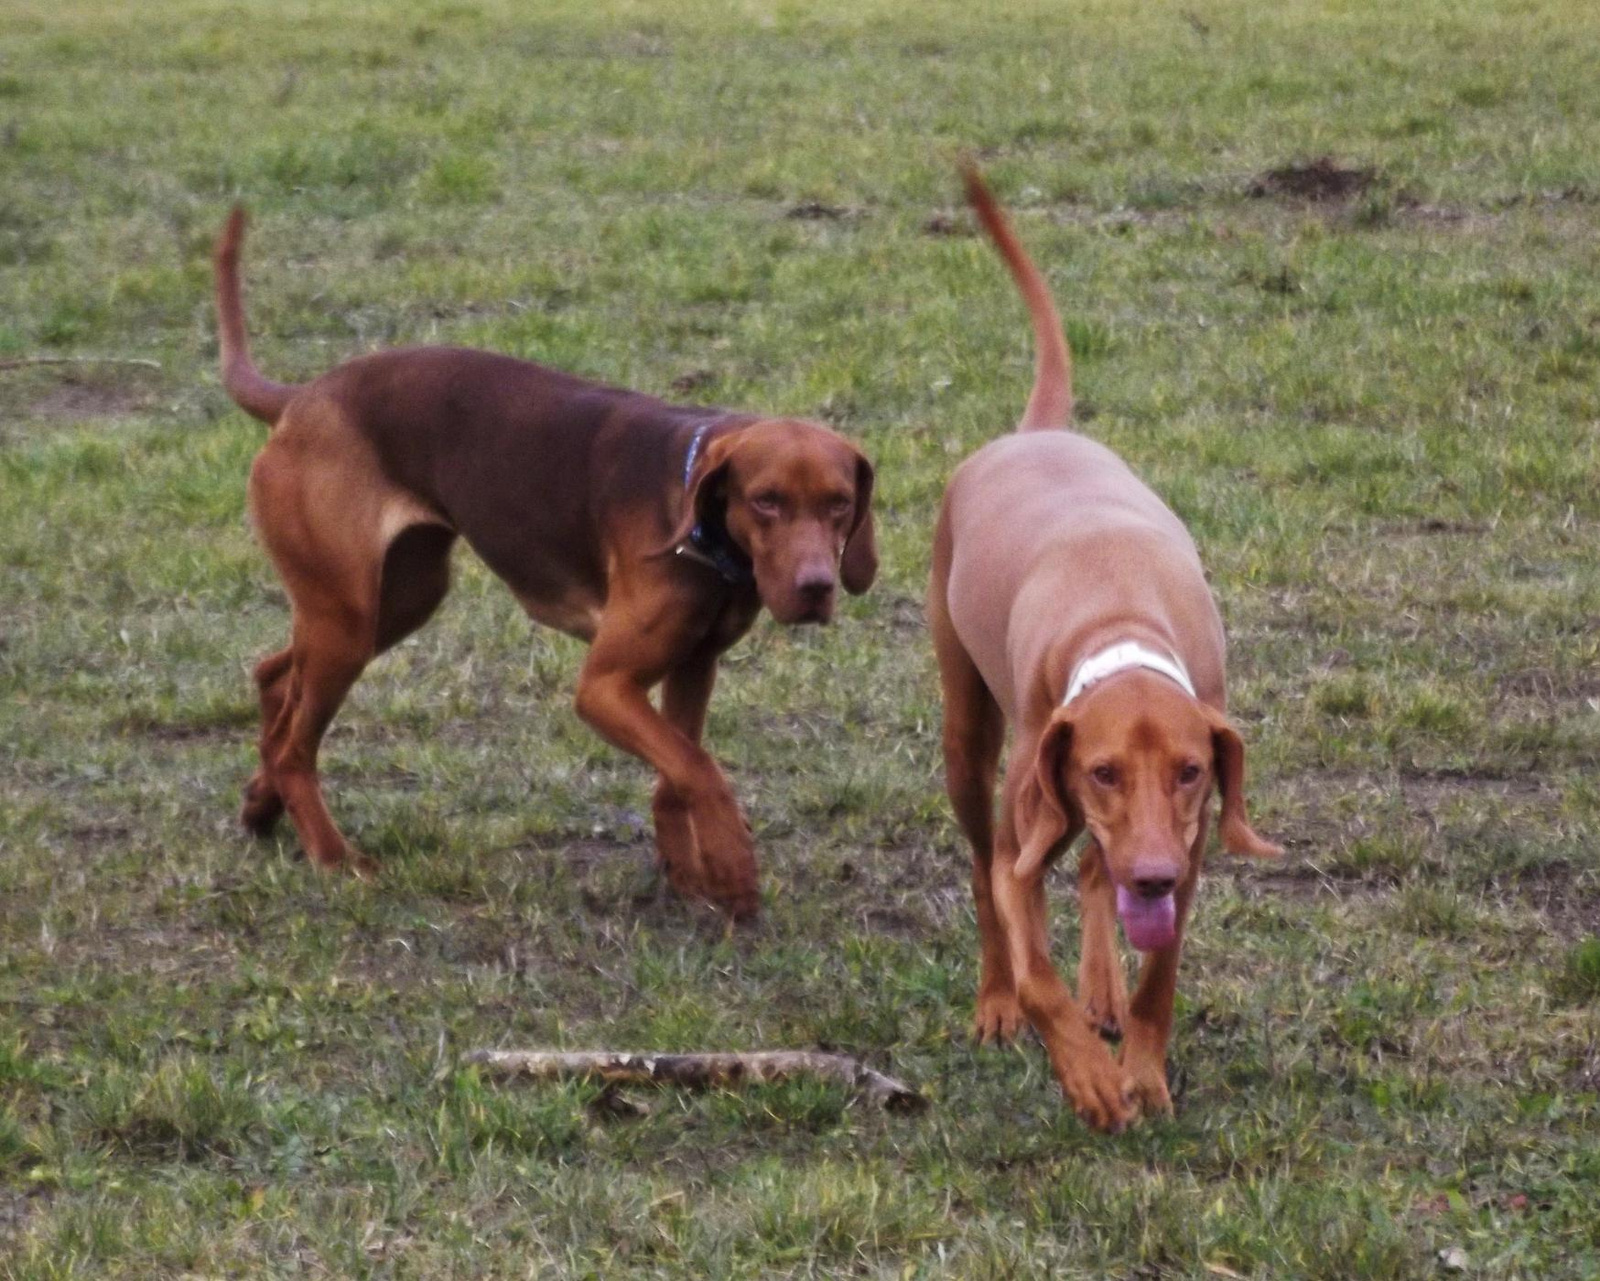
1149 924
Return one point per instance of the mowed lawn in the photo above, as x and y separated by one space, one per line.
1371 388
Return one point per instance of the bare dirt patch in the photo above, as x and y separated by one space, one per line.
818 211
693 380
1318 181
946 224
81 397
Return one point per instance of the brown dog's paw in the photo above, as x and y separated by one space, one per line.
262 807
360 865
344 858
998 1017
726 872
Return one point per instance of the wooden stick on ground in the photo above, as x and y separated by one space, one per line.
701 1070
27 362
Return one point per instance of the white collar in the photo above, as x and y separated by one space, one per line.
1121 657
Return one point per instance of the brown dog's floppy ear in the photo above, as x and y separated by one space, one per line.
703 490
1044 814
1238 837
859 564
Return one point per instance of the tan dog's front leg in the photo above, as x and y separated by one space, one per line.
1092 1079
1149 1025
1102 987
998 1016
613 699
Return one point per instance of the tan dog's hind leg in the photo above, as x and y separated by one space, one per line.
1149 1025
974 732
1102 986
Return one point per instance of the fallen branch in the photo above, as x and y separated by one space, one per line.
698 1071
25 362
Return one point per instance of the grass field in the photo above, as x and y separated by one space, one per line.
1378 411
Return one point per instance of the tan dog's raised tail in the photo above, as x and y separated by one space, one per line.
1069 602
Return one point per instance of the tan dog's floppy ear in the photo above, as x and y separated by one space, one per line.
1044 814
704 490
1238 837
859 564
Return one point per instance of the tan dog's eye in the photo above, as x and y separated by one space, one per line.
1104 775
1189 774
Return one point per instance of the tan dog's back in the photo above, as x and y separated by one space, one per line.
1052 536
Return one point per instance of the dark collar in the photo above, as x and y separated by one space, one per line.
709 544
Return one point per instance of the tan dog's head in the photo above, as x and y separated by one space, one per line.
797 500
1135 759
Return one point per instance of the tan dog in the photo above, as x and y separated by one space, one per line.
655 532
1067 600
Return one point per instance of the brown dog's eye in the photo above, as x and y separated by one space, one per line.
840 507
766 504
1105 775
1190 773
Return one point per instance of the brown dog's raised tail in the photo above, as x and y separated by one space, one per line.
257 395
1050 404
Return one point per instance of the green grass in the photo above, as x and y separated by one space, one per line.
1380 416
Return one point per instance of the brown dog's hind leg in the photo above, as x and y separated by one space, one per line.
1102 986
358 579
329 655
263 805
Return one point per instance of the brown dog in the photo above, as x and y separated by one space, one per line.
652 531
1068 600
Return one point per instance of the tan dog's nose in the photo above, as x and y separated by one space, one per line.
1154 878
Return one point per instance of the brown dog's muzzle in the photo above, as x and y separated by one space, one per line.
815 590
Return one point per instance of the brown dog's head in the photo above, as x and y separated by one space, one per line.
1134 759
797 500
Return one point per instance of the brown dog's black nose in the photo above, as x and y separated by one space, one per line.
815 588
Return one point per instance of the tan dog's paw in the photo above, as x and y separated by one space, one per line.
998 1017
1105 1006
1101 1092
1149 1081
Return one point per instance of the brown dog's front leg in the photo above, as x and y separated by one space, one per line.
1149 1025
613 699
685 695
